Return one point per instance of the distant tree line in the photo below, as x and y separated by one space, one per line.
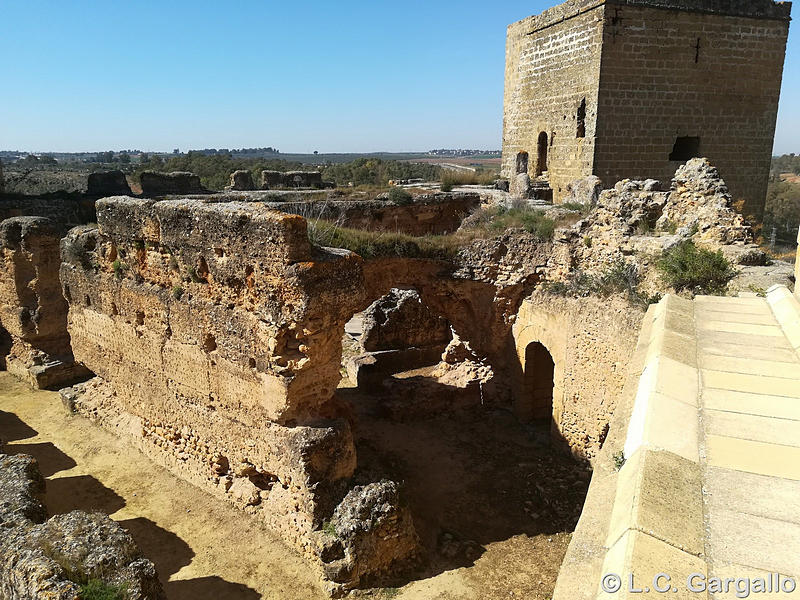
215 169
782 210
788 163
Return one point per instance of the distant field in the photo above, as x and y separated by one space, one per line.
467 161
790 177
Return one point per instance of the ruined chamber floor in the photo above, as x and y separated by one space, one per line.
493 505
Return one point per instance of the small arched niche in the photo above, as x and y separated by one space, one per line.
538 381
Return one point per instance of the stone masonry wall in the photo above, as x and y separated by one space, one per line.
590 341
551 66
215 331
32 309
656 84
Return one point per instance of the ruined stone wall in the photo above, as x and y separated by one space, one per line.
215 329
591 341
435 214
552 65
32 310
679 73
64 210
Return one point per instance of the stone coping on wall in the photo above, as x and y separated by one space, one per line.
646 517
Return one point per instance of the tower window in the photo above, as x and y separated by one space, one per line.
581 130
685 148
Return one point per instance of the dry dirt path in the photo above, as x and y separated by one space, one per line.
205 549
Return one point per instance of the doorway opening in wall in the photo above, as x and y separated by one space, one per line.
541 161
539 382
685 148
522 163
480 482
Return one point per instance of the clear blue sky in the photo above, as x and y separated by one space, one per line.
300 76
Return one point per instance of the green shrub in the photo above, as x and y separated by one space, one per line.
531 220
584 209
329 528
119 268
400 196
687 267
446 186
95 589
619 460
177 292
620 277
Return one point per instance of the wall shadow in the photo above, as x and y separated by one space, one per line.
209 588
82 492
12 428
51 460
472 474
166 549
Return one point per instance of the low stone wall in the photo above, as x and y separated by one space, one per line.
64 210
32 309
215 330
52 558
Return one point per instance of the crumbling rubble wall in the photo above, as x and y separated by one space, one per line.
155 185
271 180
32 310
215 330
51 558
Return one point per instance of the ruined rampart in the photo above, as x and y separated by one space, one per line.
215 331
32 309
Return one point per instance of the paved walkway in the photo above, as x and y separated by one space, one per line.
750 438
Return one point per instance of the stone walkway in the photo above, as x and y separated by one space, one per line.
701 468
750 434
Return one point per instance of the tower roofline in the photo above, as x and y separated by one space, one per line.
755 9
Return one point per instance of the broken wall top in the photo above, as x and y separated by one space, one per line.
247 229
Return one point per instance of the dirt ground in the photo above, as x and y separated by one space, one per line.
493 504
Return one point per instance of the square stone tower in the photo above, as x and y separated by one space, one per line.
633 88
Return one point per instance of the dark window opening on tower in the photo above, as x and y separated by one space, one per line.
685 148
522 163
581 132
697 52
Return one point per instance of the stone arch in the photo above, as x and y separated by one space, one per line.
537 336
538 382
541 156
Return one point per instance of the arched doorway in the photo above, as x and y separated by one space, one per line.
539 382
541 162
522 163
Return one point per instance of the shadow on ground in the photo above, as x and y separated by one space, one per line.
471 476
168 551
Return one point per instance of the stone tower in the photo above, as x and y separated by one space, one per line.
633 88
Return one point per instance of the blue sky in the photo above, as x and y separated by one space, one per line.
348 76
